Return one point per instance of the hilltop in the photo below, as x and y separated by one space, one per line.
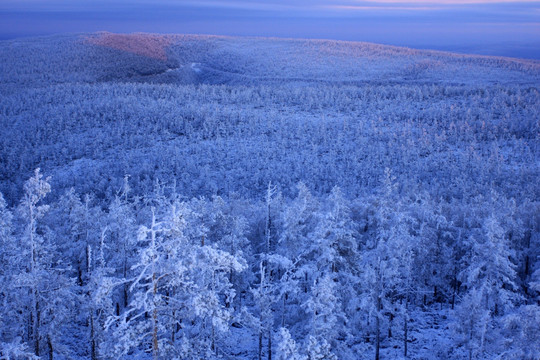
227 60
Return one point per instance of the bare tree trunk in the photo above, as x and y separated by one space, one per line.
36 320
269 193
406 328
214 347
50 346
261 316
125 294
378 330
283 310
155 348
270 344
155 334
470 344
93 350
173 330
454 288
30 329
260 344
390 325
124 273
527 267
155 344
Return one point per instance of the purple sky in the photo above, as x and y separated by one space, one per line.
509 28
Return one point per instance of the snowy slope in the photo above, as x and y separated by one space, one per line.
104 56
96 82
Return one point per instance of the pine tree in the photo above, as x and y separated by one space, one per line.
264 296
299 220
387 262
473 323
50 291
98 303
179 291
490 281
8 317
434 251
35 189
287 348
319 349
521 331
491 270
141 317
122 232
77 223
324 306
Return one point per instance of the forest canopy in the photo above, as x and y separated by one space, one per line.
204 197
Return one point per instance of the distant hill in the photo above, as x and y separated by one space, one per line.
228 60
97 103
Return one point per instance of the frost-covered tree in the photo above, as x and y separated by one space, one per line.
287 348
490 282
434 251
180 291
16 350
77 223
206 291
334 247
521 331
335 251
491 270
121 248
98 303
34 245
49 299
8 317
215 294
327 321
319 349
264 296
224 227
473 324
300 219
387 262
140 320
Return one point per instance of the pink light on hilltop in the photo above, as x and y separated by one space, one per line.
149 45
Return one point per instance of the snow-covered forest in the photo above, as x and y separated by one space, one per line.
203 197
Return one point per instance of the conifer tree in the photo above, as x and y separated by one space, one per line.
287 348
50 295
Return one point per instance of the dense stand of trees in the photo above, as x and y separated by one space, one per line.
447 140
315 277
323 201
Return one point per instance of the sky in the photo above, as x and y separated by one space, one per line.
489 27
